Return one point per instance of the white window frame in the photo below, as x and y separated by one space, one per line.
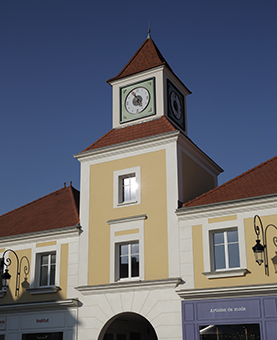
35 288
117 184
48 254
126 230
117 259
207 229
225 243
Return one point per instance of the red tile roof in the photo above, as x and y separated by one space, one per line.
147 56
132 132
57 210
259 181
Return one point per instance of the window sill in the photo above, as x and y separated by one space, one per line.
126 203
226 273
43 290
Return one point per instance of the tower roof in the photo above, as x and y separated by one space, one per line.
147 57
59 209
259 181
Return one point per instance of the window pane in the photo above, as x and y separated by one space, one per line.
134 248
52 275
53 258
232 236
123 249
123 270
233 250
135 265
219 257
43 276
44 259
133 188
218 238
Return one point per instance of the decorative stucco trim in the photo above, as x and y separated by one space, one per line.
17 307
226 273
129 286
227 292
128 219
43 290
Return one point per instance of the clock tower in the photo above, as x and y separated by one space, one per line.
147 88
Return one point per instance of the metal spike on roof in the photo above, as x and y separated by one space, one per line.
149 31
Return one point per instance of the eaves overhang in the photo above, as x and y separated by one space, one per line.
59 232
128 144
240 204
41 305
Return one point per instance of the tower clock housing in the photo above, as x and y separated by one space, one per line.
147 88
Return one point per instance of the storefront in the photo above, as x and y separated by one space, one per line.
31 322
252 318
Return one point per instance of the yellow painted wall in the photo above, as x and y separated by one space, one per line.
153 204
196 180
256 275
24 295
64 270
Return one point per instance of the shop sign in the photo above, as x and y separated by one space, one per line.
2 322
232 309
43 320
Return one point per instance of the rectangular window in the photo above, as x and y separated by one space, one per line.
223 332
127 188
47 269
128 260
226 249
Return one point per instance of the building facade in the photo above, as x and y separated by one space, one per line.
39 247
154 249
231 296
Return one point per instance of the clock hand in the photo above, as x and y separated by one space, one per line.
137 99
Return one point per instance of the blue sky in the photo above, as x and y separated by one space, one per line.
55 58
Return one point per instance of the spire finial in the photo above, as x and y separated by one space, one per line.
149 31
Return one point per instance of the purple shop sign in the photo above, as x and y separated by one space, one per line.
232 309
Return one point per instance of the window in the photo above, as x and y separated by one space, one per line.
127 248
128 260
47 269
225 249
126 187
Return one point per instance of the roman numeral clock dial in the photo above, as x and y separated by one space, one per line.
137 100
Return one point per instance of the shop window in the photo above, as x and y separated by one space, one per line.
128 257
43 336
47 269
225 249
127 187
223 332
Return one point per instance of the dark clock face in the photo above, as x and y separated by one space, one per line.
175 105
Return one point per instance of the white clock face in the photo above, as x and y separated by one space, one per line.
137 100
175 105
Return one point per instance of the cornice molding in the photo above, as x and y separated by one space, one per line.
128 219
45 305
235 206
227 292
116 149
60 232
129 286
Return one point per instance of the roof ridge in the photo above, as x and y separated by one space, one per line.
230 181
38 199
